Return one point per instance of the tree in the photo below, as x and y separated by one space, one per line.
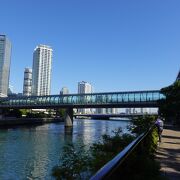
104 150
12 113
141 124
170 106
24 111
74 163
61 112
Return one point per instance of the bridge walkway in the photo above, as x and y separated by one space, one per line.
168 153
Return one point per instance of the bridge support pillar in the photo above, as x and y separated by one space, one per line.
69 117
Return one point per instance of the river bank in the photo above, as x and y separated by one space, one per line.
12 121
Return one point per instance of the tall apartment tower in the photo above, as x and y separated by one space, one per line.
5 61
84 88
41 73
27 86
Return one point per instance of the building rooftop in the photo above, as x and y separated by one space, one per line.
27 69
43 46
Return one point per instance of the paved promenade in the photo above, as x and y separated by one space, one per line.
168 153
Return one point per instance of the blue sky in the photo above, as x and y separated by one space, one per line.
116 45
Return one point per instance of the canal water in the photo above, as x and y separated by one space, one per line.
31 152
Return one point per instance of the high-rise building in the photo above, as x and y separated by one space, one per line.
84 88
41 73
27 86
64 90
5 61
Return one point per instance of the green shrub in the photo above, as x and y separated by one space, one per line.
73 164
141 124
110 146
78 163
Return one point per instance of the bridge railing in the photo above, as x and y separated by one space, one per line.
109 170
84 99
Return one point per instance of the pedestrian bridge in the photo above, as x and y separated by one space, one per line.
94 100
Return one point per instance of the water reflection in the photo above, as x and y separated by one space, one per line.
31 152
68 134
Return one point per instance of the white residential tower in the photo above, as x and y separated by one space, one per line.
41 73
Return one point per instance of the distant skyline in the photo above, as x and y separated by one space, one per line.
114 45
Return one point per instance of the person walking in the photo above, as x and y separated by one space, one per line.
159 124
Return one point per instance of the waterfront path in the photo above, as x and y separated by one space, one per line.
168 153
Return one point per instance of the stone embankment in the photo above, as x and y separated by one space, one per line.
27 121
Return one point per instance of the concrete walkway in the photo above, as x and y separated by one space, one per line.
168 153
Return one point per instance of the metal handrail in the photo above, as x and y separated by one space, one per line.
113 164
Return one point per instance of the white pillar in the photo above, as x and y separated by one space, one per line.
69 117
